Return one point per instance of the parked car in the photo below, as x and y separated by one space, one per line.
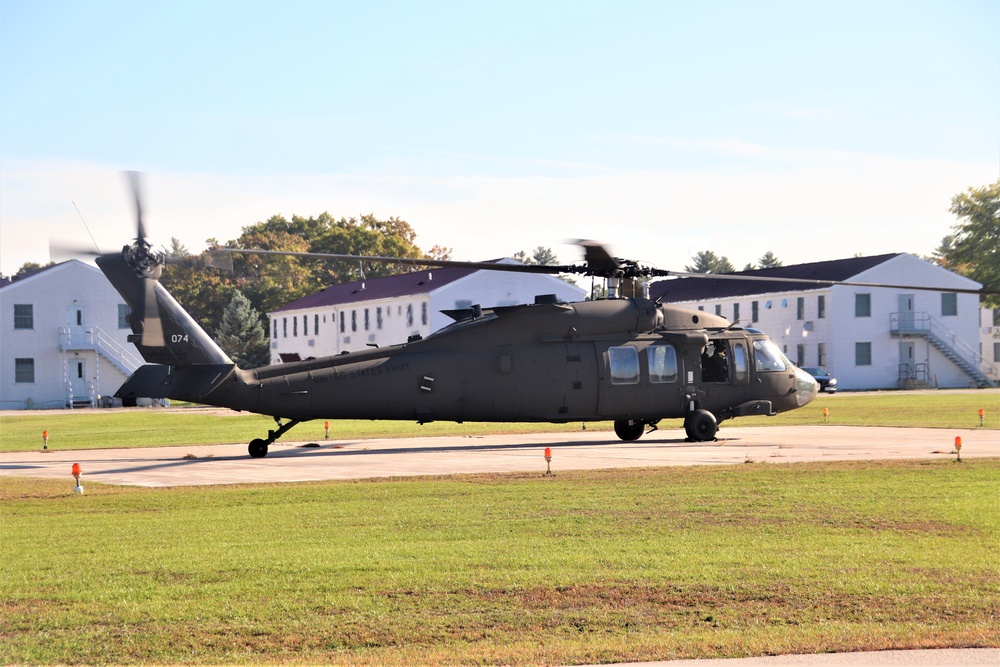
826 383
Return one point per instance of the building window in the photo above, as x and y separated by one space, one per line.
800 308
354 320
368 321
423 313
800 354
821 306
754 311
343 324
409 314
767 305
284 327
305 325
862 354
949 304
624 362
718 309
24 316
24 371
701 308
996 351
316 324
862 305
662 361
378 317
736 312
821 354
275 327
123 312
295 327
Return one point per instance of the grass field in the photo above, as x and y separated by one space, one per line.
156 427
621 565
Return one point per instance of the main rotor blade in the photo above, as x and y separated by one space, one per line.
60 251
413 261
824 283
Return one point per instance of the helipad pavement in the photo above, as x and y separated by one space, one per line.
356 459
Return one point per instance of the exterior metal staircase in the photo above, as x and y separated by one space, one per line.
93 339
946 342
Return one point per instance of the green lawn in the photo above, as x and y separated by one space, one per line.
584 567
155 427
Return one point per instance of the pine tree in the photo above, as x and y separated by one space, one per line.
241 334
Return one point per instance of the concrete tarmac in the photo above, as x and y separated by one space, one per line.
585 450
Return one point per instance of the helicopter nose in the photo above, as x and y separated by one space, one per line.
806 387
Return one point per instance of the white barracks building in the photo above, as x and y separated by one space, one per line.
866 337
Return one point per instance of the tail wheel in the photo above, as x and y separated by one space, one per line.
701 425
258 448
629 429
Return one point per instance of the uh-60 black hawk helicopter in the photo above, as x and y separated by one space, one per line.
624 358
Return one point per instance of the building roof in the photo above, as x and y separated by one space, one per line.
698 289
406 284
7 281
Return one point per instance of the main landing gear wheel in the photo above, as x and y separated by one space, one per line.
701 425
258 448
629 429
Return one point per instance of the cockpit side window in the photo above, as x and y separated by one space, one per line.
767 357
662 361
715 362
624 362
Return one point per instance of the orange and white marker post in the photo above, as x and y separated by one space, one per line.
826 413
45 438
78 489
326 430
548 460
958 447
982 416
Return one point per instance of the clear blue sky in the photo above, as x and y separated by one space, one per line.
815 130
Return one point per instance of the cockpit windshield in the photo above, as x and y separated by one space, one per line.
767 357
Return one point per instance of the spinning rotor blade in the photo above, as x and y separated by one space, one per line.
152 326
135 184
61 251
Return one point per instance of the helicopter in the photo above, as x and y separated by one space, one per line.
623 358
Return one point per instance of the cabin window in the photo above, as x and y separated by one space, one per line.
123 312
767 357
662 363
862 305
624 362
24 316
24 371
949 304
740 365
